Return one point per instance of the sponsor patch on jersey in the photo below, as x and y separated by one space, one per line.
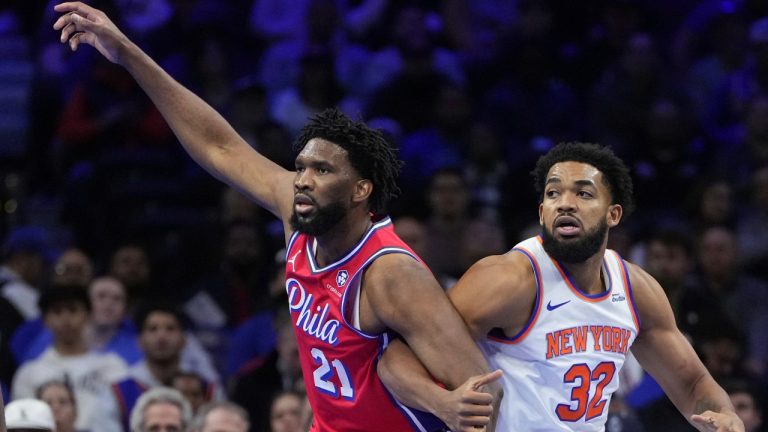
617 298
341 278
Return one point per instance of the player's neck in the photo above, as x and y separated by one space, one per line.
587 275
333 245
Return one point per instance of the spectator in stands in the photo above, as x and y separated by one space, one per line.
668 258
110 330
61 398
448 201
285 413
752 227
220 417
723 292
26 253
72 267
160 409
746 402
194 388
162 339
107 330
255 384
66 310
130 264
25 415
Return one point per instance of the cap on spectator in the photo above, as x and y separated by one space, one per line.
758 31
29 414
30 238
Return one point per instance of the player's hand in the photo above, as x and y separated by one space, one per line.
468 408
717 422
81 23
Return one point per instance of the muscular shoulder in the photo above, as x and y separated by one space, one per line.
497 291
393 268
391 286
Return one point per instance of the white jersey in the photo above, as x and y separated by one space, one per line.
561 369
89 374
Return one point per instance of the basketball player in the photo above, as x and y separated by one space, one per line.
349 278
559 312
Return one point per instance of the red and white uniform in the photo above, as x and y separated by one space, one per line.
338 360
561 369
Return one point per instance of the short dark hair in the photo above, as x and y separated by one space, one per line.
59 294
369 152
615 173
148 308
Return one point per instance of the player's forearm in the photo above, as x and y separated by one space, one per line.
203 132
407 379
707 395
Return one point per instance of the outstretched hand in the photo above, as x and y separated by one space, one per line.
717 422
81 23
469 407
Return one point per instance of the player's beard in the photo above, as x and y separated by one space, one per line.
320 221
577 250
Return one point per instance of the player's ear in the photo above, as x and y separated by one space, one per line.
363 190
541 214
615 211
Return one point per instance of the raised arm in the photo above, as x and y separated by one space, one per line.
665 353
203 132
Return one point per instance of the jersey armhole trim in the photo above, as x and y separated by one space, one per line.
630 293
288 246
359 286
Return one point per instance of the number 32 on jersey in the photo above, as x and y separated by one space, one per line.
586 407
325 371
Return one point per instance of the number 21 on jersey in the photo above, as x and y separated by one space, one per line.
325 371
582 376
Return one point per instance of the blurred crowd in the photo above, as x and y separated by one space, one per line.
125 267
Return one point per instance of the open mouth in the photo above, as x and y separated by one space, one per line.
567 226
303 204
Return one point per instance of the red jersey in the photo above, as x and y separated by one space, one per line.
338 361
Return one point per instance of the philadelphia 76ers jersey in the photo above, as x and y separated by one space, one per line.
338 360
561 369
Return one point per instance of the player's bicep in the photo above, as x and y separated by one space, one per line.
405 297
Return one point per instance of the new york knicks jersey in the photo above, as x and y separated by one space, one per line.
338 360
561 369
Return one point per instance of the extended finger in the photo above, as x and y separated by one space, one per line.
486 379
62 21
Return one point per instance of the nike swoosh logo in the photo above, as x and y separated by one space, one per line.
551 307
